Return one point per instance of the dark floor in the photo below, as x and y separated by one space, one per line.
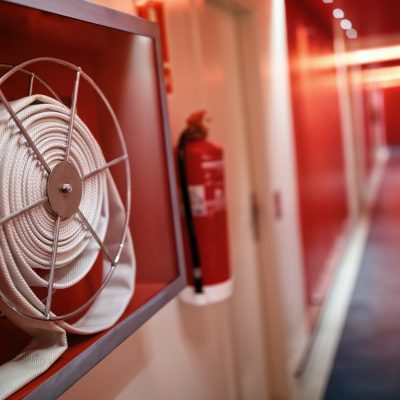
367 364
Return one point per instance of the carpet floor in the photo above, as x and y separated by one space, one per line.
367 363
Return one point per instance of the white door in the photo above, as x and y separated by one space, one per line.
226 108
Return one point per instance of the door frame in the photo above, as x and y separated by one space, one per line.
282 356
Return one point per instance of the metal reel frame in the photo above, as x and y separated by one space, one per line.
47 315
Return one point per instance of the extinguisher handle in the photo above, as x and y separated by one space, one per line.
194 247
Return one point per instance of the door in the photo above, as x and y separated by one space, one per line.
226 107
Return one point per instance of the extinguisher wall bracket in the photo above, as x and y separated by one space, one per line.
211 294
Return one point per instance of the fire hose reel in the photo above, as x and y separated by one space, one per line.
60 210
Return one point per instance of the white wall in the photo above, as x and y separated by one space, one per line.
286 230
191 353
353 182
183 352
271 140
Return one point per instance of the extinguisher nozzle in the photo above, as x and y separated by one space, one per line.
197 280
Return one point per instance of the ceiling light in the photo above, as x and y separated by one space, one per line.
327 1
351 33
346 24
338 13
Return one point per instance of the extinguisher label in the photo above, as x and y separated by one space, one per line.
216 164
198 200
217 201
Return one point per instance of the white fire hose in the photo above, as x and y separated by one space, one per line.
26 241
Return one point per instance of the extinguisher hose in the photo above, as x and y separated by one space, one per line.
194 247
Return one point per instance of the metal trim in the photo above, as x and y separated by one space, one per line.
81 365
92 13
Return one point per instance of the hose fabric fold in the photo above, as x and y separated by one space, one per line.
26 241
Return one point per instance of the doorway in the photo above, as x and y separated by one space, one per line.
225 102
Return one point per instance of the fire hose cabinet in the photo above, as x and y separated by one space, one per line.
90 241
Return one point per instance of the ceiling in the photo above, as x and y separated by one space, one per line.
371 18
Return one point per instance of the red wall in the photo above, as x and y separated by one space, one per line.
373 123
369 117
392 120
320 163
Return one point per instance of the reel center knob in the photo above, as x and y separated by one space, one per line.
64 189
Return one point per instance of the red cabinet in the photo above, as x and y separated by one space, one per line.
122 54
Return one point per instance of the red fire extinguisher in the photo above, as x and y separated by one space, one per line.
201 176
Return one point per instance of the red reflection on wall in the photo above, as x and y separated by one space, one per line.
318 140
392 120
370 117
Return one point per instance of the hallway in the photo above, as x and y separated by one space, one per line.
260 143
366 365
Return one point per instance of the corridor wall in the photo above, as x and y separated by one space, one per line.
319 147
185 352
392 99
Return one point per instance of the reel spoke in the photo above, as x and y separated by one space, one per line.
72 115
22 210
52 268
104 167
96 237
22 129
31 83
37 78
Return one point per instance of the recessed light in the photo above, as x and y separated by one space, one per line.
338 13
351 33
327 1
346 24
